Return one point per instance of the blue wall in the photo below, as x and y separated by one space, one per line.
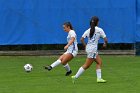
40 21
137 32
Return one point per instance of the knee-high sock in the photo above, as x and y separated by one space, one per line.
67 67
80 71
98 72
56 63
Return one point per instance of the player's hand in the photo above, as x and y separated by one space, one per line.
66 47
85 47
104 45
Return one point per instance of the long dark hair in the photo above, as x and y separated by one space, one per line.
93 22
68 24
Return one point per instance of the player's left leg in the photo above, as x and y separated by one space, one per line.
68 57
98 61
81 70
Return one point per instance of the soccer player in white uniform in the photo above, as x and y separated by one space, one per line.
93 34
71 50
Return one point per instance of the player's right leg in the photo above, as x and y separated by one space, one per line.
56 63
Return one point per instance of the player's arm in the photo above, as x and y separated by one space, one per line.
83 37
103 35
73 37
69 43
83 42
105 42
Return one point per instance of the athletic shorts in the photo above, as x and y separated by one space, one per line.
74 52
92 54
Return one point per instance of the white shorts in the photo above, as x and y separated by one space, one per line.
92 54
74 52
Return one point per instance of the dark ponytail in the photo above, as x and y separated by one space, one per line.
68 24
92 30
93 23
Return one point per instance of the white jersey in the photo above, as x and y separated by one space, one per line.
73 46
92 44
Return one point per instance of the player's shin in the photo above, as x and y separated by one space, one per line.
67 67
56 63
98 73
80 71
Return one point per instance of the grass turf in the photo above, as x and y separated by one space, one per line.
121 72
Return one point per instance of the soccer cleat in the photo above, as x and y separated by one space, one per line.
73 79
68 73
101 81
48 68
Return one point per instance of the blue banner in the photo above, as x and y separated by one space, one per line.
137 31
40 21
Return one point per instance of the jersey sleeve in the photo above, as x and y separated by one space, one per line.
103 35
72 34
86 33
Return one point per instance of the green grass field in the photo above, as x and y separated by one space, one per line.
121 72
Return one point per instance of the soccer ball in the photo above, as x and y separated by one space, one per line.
28 67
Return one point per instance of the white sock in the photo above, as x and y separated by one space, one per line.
67 67
98 72
56 63
80 71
